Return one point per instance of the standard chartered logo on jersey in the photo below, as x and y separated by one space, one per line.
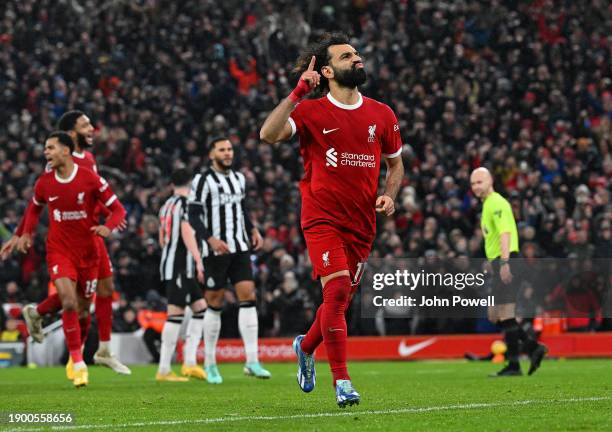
360 160
59 216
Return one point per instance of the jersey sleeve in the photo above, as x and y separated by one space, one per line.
503 219
248 224
182 208
296 119
391 137
38 198
104 193
198 191
106 196
30 218
196 209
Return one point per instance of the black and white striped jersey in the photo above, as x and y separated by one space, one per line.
176 259
220 202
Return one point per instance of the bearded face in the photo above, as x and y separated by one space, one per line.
352 77
83 141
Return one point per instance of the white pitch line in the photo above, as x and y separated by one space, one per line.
322 415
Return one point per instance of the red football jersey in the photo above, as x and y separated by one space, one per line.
85 159
341 146
71 204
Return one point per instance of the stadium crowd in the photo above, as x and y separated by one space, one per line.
524 88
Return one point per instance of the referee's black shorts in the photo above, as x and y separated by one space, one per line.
503 293
218 269
182 291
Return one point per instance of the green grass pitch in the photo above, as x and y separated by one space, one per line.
572 395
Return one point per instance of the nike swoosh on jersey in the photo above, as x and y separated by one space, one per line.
326 131
407 350
53 198
331 330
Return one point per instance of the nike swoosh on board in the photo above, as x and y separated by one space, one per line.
407 350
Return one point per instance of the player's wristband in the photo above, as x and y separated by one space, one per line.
504 261
301 89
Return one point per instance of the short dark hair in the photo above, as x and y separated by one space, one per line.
319 49
180 177
63 138
214 140
68 121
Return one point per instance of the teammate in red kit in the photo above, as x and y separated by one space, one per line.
71 194
344 137
79 127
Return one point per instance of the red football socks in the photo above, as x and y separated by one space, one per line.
72 332
49 305
104 316
336 295
314 337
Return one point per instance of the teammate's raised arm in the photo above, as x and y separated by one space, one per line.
277 127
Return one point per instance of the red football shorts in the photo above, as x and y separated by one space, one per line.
105 267
61 266
332 250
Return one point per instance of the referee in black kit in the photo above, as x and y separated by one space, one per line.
217 212
501 247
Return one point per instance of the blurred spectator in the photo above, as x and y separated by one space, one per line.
10 333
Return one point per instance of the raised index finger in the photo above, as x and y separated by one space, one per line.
311 66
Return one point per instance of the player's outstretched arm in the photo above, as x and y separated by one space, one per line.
31 217
11 244
19 230
276 127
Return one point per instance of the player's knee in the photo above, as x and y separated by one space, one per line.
175 310
70 304
199 305
337 290
245 291
247 297
105 287
214 298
